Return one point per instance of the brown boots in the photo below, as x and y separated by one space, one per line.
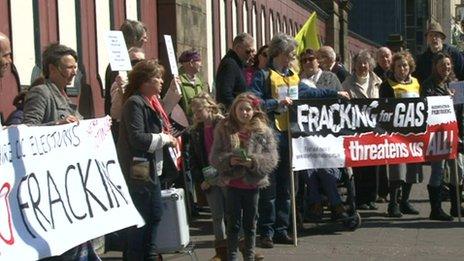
221 254
221 251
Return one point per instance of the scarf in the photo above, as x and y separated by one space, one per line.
155 103
175 153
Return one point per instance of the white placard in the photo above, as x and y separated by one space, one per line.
117 51
60 186
172 58
171 54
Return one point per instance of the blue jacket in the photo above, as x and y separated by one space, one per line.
262 89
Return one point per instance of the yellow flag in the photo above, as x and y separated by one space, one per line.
307 36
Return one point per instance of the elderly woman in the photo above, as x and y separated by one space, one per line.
364 84
143 143
437 85
400 84
277 86
313 76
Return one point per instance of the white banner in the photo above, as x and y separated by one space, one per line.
59 187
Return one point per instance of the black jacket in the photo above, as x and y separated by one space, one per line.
230 79
340 71
198 157
424 63
141 126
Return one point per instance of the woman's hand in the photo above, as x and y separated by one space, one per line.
173 140
67 119
173 85
235 160
286 101
239 161
344 95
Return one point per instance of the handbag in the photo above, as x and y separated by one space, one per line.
140 169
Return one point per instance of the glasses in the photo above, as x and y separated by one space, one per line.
308 59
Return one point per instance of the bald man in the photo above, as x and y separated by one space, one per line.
328 62
5 52
384 59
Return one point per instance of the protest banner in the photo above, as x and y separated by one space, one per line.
334 134
60 186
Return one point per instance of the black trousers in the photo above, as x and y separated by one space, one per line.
365 181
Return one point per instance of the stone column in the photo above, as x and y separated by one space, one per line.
185 21
344 10
337 25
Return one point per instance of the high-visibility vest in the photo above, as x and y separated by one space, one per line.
281 87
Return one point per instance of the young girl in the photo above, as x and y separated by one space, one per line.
206 114
244 153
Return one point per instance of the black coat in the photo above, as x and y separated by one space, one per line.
198 157
140 128
424 63
340 71
385 90
230 79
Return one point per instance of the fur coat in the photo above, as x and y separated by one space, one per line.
262 148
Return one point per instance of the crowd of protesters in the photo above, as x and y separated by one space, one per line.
235 145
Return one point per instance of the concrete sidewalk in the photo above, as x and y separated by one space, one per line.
379 238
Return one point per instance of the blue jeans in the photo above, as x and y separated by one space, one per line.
274 201
438 169
141 242
241 209
327 180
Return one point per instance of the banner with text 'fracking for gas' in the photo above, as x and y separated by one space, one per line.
60 186
333 133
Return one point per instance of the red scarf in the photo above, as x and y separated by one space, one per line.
154 101
175 153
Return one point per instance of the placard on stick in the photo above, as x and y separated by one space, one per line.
117 51
171 54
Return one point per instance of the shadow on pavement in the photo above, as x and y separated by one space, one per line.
409 223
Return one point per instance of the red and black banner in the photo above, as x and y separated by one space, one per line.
329 133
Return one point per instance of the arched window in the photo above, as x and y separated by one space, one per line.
23 39
254 23
131 9
222 19
234 18
103 24
209 42
245 17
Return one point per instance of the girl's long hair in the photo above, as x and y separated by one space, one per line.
258 123
142 72
204 101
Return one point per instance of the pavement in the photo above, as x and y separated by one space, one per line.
379 237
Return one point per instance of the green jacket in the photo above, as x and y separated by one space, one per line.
190 90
